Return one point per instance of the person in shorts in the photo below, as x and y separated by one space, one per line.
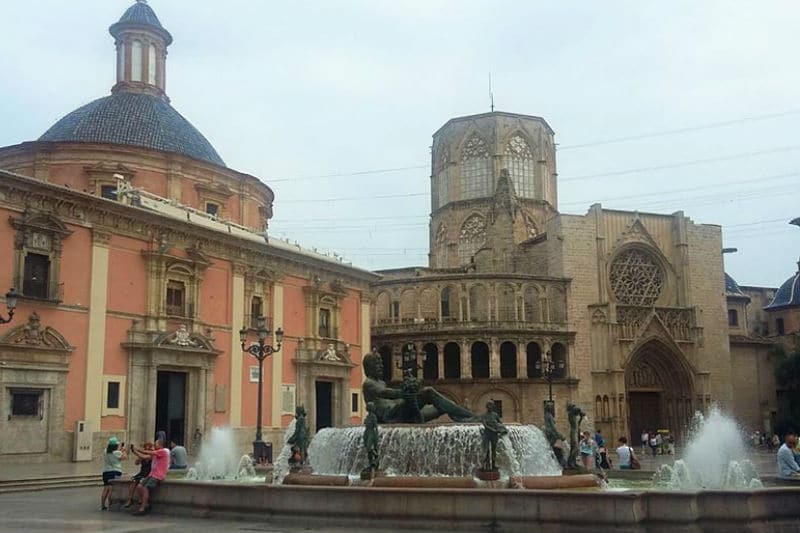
144 471
158 471
112 469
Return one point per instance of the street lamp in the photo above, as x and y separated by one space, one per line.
260 350
11 304
408 360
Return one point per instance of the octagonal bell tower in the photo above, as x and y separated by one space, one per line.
467 158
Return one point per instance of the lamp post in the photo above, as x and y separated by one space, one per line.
548 367
11 304
408 360
260 350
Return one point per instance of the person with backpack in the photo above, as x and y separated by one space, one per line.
627 458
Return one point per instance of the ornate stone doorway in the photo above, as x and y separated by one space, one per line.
659 383
171 405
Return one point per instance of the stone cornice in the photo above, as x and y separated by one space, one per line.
82 209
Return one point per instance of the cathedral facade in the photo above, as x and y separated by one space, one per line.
623 313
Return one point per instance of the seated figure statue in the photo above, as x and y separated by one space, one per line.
409 404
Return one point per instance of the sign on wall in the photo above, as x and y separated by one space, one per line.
287 399
254 374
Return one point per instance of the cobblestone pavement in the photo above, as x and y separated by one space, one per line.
57 511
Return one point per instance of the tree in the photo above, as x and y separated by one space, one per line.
787 378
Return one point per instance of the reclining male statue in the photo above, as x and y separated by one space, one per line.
409 404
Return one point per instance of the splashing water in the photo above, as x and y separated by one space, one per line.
220 459
715 458
281 465
445 450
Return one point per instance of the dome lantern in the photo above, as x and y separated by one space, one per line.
141 42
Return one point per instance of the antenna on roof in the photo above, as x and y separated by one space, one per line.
491 94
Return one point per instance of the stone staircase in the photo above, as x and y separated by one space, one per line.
53 482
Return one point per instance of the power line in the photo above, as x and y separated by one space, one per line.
381 197
679 164
710 125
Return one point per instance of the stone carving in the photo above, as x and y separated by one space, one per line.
371 440
475 148
182 338
471 237
300 438
598 317
492 430
32 334
643 377
678 322
518 147
575 416
329 354
337 285
636 278
409 404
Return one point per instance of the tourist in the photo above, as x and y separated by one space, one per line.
598 438
654 443
112 469
588 449
177 456
671 444
776 441
197 441
601 459
625 455
645 440
787 462
144 471
158 471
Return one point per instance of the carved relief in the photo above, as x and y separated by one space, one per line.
471 237
636 278
32 334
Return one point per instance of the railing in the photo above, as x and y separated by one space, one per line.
384 327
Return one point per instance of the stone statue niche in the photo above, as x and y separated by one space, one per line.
409 404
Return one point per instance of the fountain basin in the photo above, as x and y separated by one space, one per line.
730 511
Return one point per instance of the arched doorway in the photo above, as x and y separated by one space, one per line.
452 361
508 360
386 359
659 383
430 368
480 360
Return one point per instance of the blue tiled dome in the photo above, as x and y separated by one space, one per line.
140 14
788 294
135 120
731 287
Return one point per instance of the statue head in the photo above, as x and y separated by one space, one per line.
373 365
299 411
370 407
490 406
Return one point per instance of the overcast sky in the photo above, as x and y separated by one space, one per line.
291 90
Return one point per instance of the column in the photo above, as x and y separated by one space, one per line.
277 358
522 360
494 358
440 350
95 347
466 360
237 321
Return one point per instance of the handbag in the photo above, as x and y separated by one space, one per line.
635 465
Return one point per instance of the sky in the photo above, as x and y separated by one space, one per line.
699 100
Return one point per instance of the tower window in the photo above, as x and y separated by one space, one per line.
36 281
733 317
109 192
151 64
136 61
112 395
212 209
256 310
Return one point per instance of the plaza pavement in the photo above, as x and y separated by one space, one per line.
57 511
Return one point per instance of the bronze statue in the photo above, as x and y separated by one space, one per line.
491 432
575 415
554 437
371 439
300 438
409 404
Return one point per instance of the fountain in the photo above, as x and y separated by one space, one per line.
715 458
219 460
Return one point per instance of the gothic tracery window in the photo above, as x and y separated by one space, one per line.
476 165
521 166
471 237
636 278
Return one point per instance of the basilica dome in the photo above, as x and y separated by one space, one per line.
135 119
788 295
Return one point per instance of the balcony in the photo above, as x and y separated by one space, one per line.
419 325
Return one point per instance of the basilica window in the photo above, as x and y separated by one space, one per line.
476 169
38 246
636 278
521 166
176 298
471 238
136 61
212 209
109 192
256 310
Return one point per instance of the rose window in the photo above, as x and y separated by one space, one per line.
636 278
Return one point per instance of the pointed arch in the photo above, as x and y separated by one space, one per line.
476 168
519 160
471 237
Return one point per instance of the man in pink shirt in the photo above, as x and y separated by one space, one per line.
158 471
